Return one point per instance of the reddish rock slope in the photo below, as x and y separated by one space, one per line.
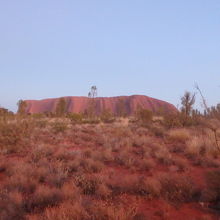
114 104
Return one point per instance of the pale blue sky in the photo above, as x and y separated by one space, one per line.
159 48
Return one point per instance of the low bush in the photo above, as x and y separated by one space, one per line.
91 166
44 197
13 136
57 175
212 192
76 118
68 210
11 206
124 159
88 184
173 120
59 127
181 164
178 189
122 184
21 183
112 212
107 117
157 131
178 135
163 156
70 191
144 165
144 115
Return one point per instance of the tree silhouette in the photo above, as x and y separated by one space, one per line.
93 92
92 104
187 102
22 105
61 107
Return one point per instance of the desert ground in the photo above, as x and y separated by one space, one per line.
121 169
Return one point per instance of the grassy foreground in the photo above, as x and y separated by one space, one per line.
54 169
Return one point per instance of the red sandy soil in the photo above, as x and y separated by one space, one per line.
81 104
151 208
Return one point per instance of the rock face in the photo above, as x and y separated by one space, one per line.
116 105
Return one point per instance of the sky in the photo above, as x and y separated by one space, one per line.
158 48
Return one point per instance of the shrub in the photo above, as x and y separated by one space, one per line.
132 184
21 183
3 166
88 184
194 147
12 135
11 206
201 146
157 131
41 123
173 120
90 165
68 210
104 156
75 118
107 117
41 151
141 141
87 153
181 164
150 187
153 186
122 184
177 188
70 191
212 193
145 165
124 159
112 212
205 162
103 191
163 156
91 121
63 154
144 115
57 175
179 135
44 197
73 166
59 127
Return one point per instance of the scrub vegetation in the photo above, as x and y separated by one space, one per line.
148 166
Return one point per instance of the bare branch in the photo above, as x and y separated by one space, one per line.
203 99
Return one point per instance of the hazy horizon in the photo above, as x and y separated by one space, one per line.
158 48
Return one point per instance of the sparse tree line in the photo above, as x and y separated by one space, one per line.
186 116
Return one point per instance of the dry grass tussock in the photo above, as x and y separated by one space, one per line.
179 135
60 169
